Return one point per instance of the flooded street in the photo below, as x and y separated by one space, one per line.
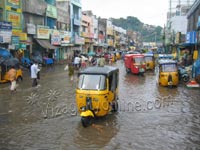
149 117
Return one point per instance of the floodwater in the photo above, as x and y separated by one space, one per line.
149 117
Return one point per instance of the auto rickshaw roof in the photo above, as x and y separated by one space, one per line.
148 55
167 61
106 70
134 55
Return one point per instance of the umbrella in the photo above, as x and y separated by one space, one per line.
5 53
36 53
37 59
84 58
91 53
2 60
11 62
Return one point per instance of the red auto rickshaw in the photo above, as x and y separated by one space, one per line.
135 63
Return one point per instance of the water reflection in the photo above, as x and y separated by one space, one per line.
162 118
98 134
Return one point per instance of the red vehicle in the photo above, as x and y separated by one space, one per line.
135 63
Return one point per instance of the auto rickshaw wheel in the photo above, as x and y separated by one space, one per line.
115 106
127 70
19 78
86 121
185 78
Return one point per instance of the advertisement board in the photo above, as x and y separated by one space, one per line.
5 32
31 28
55 37
191 37
51 11
65 38
43 32
15 18
14 3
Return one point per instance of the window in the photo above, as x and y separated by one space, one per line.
139 60
169 68
92 82
147 59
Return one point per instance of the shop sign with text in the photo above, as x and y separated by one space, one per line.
31 28
65 38
51 11
14 3
5 32
15 18
55 37
43 32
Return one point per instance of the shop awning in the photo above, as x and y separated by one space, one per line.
45 44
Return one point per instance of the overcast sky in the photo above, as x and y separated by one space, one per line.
153 12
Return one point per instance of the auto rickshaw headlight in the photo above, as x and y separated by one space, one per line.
83 108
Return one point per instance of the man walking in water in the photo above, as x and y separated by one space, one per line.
34 72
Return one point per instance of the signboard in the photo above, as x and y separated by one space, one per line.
79 40
65 38
22 46
23 36
55 37
5 32
43 32
14 2
31 28
51 11
191 37
198 23
15 41
15 18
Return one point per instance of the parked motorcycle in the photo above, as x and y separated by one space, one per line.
183 75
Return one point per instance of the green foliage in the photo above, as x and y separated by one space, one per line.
149 33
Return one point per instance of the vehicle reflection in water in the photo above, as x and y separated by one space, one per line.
98 134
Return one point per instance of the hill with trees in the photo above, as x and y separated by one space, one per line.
149 33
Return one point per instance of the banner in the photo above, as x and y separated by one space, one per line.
43 32
5 32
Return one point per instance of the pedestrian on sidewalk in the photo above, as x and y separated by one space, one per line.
34 73
12 73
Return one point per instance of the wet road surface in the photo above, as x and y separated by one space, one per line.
149 117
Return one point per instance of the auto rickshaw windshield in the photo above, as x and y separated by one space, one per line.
169 68
148 58
139 60
92 82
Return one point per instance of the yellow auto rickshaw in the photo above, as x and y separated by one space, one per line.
118 56
167 73
97 92
150 61
4 68
113 57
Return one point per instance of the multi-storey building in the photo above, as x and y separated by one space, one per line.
75 20
63 25
11 24
93 30
193 28
102 45
87 32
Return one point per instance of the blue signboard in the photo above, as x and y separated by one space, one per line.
198 23
5 26
191 37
